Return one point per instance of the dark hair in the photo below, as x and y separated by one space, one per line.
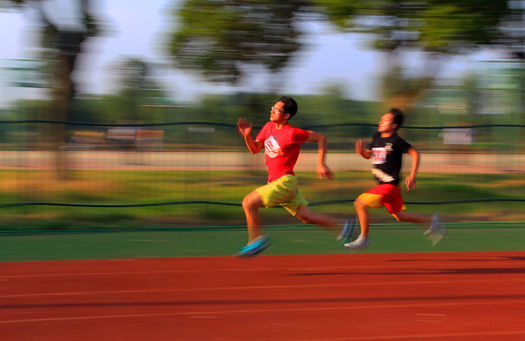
290 105
399 117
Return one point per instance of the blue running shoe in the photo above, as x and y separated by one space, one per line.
348 230
255 247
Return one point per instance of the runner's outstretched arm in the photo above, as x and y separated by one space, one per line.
322 169
360 149
245 129
411 178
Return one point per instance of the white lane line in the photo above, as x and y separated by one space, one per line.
261 287
259 311
204 317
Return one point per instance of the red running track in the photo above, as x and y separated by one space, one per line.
437 296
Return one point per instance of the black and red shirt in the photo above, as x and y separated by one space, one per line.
387 157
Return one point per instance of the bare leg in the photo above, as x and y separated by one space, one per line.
307 216
364 217
435 232
412 217
251 204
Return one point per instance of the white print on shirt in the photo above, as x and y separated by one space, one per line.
271 147
382 176
379 155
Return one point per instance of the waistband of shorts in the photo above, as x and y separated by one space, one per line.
284 177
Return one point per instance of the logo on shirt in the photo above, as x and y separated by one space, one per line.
379 155
271 147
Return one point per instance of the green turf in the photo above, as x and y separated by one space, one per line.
194 242
153 187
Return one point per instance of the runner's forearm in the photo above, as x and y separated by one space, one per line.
253 146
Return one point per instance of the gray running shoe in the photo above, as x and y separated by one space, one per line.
436 230
360 243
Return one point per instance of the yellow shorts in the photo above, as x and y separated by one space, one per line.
282 191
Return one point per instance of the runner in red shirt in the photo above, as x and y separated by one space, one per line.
282 144
281 147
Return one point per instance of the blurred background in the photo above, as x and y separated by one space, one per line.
119 114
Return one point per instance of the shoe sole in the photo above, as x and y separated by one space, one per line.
357 248
254 252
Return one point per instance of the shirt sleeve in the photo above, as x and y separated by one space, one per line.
300 135
263 134
404 146
370 145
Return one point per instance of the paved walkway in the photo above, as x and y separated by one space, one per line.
98 160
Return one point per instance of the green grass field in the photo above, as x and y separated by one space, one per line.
151 187
225 241
54 233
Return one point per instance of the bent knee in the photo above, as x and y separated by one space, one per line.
247 202
358 203
252 200
304 215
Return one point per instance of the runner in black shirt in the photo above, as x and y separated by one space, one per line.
386 151
387 157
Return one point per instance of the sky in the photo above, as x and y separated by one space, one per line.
136 28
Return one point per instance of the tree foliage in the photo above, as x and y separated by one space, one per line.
435 27
61 45
440 26
219 38
138 90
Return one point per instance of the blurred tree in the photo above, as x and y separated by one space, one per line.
219 39
435 27
515 34
62 37
139 93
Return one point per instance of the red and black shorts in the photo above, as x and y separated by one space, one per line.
387 195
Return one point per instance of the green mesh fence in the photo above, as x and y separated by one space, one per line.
68 174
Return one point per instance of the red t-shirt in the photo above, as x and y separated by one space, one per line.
281 148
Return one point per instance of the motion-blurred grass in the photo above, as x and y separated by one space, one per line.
147 187
286 240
